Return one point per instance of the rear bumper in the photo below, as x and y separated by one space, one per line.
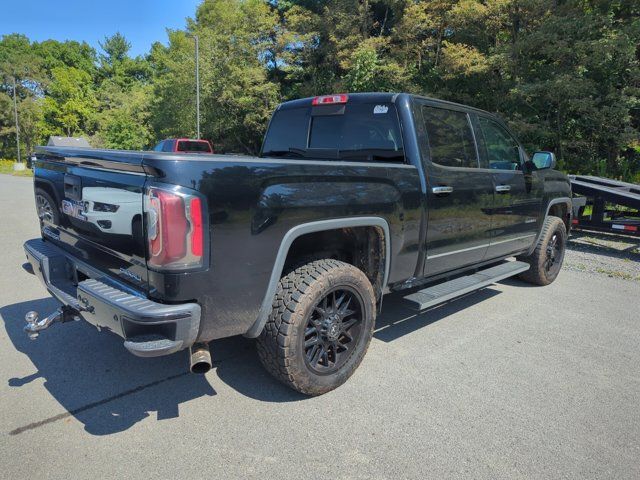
149 328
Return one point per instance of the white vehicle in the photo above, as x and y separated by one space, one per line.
112 210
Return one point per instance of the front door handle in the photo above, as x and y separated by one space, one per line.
442 190
503 188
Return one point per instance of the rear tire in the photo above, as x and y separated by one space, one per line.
546 260
320 326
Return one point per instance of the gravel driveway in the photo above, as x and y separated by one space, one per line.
605 254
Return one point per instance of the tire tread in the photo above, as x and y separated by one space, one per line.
536 273
274 343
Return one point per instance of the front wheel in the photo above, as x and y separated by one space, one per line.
320 326
546 260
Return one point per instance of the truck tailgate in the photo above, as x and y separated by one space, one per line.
98 208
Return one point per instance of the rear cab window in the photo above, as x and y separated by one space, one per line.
449 137
193 146
354 131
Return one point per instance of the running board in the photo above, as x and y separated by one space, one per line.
443 292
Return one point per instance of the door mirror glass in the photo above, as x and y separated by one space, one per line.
544 160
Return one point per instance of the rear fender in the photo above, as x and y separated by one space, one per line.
303 229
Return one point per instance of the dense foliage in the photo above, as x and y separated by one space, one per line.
564 73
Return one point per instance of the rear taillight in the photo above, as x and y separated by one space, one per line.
175 231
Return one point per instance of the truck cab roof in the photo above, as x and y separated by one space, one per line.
380 97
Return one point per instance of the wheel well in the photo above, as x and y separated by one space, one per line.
47 188
362 247
561 210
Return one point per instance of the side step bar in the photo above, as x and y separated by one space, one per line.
443 292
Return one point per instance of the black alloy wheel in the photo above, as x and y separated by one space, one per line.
555 248
333 329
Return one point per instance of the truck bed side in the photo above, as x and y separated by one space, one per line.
253 203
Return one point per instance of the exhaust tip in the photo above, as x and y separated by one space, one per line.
200 358
200 368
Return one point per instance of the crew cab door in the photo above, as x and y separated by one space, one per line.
515 215
459 192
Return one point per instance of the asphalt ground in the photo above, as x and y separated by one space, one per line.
513 381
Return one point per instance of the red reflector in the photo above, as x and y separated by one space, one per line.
196 227
574 221
330 99
631 228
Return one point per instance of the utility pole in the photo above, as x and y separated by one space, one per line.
15 111
197 85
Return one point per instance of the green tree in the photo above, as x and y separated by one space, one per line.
20 64
126 124
565 74
116 49
123 96
69 107
52 53
237 97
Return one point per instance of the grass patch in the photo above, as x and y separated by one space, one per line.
6 166
617 274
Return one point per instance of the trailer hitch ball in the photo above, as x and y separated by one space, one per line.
31 318
34 324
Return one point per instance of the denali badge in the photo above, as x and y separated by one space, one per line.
129 274
51 233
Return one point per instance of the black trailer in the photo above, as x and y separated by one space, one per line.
605 205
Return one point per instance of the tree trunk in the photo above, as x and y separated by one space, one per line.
440 34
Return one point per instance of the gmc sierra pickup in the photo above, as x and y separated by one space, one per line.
353 196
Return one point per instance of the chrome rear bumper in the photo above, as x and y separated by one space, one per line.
149 328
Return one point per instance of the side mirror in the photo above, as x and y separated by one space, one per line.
544 160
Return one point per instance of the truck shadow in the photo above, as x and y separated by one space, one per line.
95 379
102 385
398 319
99 383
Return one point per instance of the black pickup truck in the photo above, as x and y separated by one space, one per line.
352 197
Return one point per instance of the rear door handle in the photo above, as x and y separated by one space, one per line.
442 190
503 188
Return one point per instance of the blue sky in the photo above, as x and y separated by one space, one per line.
142 22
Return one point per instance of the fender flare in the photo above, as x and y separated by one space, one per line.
555 201
45 181
303 229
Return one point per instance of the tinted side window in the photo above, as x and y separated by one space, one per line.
450 138
503 151
168 146
158 147
288 129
